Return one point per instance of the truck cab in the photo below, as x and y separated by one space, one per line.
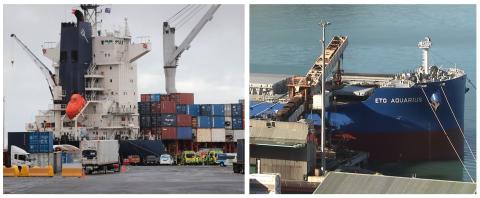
19 157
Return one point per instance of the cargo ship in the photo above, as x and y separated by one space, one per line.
407 117
93 82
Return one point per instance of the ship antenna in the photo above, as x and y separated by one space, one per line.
324 24
425 45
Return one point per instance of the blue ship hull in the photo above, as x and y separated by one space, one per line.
397 124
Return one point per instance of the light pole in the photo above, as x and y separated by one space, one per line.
324 24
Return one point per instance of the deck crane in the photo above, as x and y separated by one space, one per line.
49 76
171 52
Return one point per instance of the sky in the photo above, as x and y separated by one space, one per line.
212 68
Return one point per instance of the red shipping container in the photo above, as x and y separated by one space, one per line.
169 133
165 97
155 107
168 107
182 98
184 120
144 97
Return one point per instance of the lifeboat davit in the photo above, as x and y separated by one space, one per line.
75 105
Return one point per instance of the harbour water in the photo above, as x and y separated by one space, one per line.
284 39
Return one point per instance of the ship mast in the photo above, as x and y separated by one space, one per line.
322 146
425 45
90 12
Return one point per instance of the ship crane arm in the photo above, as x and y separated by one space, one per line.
193 33
49 76
171 52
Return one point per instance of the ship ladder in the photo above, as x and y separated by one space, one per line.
458 124
448 138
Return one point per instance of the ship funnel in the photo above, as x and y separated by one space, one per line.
425 45
79 15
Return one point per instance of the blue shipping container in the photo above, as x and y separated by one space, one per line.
144 108
168 120
204 122
184 133
206 110
193 110
40 142
237 123
218 122
182 109
237 110
218 110
155 97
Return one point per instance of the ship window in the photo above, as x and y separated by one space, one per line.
110 67
74 56
110 80
103 42
63 56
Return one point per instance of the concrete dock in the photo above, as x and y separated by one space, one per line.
136 180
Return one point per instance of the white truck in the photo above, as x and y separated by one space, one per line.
19 157
100 156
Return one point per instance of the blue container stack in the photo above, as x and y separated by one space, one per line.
40 142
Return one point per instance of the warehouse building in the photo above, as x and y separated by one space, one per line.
287 148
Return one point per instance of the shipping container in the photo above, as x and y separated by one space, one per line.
144 97
168 120
182 98
184 120
144 108
238 134
106 152
194 122
204 135
228 110
237 123
206 110
193 110
237 110
155 107
182 109
169 133
218 122
168 107
228 122
19 139
184 133
204 122
40 142
155 97
164 97
156 120
145 121
218 135
218 110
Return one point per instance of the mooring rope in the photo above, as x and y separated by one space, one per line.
458 124
448 138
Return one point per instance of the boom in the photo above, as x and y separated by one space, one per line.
49 76
171 52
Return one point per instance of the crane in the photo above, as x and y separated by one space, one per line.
171 52
49 76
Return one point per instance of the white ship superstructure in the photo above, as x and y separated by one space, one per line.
110 87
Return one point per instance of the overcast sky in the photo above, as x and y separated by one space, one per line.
213 68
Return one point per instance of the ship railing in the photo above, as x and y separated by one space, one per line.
119 110
95 98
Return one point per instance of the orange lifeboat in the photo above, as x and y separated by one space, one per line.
75 105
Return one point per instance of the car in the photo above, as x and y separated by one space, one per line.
166 159
151 160
189 158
